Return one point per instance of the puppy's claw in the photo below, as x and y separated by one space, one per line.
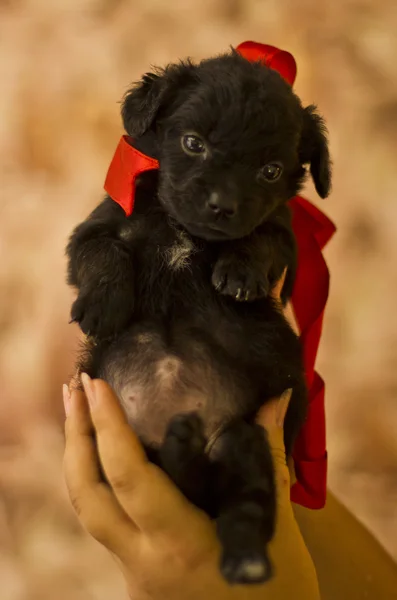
243 296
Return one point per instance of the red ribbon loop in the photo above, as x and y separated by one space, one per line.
127 164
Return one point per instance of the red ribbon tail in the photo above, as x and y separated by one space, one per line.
312 230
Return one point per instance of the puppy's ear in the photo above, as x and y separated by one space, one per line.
142 103
314 150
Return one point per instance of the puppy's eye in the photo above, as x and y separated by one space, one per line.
271 172
192 144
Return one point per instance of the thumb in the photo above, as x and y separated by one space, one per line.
271 416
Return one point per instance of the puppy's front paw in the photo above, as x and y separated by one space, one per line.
103 311
237 278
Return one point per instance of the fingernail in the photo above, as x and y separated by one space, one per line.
66 399
89 388
283 407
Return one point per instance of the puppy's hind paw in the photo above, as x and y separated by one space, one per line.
246 568
182 457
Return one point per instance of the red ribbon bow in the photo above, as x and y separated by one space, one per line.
312 230
280 60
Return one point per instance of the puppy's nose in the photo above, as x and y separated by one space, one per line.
222 205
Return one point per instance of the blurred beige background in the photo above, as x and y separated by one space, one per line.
64 65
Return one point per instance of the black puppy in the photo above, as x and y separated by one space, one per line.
176 297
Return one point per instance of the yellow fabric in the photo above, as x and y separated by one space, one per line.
350 564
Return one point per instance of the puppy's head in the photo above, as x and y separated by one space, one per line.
233 141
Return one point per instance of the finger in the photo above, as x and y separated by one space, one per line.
290 316
95 505
146 494
288 309
287 546
278 288
291 469
80 442
271 417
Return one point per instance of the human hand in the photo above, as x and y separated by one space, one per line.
165 546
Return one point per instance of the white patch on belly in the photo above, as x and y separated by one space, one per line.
174 388
178 255
167 372
150 407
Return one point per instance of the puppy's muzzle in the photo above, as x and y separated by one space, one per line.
221 205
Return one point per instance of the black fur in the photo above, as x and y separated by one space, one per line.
176 297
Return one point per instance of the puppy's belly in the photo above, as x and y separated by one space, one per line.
154 385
